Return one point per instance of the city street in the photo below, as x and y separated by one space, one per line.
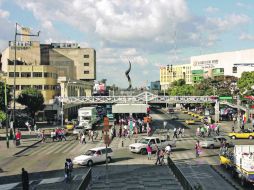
46 160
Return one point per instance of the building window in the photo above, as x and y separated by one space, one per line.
47 75
11 74
23 87
86 56
86 72
47 87
54 75
37 74
234 69
26 74
86 64
38 87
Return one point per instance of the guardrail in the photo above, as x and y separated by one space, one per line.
86 181
179 175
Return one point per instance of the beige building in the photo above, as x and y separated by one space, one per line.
57 69
71 60
171 73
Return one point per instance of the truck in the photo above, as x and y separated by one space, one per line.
140 146
240 163
87 117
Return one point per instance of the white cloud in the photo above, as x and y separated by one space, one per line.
247 37
244 5
229 21
4 14
211 9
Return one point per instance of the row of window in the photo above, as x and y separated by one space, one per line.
34 74
38 87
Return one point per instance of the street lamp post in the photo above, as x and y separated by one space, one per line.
15 63
7 118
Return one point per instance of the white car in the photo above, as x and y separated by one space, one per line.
215 142
93 156
78 129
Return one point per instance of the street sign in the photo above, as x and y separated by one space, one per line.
225 98
106 139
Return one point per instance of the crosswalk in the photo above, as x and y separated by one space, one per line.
185 153
73 147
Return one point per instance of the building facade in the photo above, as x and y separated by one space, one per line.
171 73
232 63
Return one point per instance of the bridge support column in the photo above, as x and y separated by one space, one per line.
217 111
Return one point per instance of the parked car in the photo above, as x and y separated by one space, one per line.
215 142
245 134
140 147
95 155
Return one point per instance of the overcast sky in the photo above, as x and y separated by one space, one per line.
149 33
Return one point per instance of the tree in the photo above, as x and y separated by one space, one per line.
246 82
2 96
32 99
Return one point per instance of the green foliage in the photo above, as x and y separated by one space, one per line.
246 82
179 82
2 96
33 99
183 90
2 116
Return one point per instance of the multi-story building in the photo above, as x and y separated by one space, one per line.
171 73
40 66
232 63
71 60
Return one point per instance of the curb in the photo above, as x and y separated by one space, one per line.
23 150
225 178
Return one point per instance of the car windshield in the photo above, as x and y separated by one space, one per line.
90 153
144 141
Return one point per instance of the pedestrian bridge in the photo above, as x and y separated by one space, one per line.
142 98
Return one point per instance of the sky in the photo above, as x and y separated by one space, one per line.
148 33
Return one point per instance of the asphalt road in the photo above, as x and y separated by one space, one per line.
47 160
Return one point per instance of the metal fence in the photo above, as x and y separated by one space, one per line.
179 175
86 181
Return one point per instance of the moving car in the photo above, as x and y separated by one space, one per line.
215 142
190 122
140 147
245 134
78 129
94 155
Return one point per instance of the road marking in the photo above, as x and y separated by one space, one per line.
51 180
8 186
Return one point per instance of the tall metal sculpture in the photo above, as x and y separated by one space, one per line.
128 77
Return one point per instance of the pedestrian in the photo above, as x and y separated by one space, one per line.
83 139
62 132
92 133
182 132
233 128
25 179
18 137
234 119
68 166
197 149
168 150
175 133
149 151
53 135
35 127
43 139
179 132
252 123
120 131
198 131
161 157
218 129
158 161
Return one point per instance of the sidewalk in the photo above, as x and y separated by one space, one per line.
27 141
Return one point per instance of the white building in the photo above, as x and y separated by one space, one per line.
224 63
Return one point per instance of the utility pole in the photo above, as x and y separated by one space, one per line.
238 111
6 110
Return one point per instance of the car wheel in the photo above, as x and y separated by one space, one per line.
233 137
143 151
250 137
90 163
109 159
211 146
